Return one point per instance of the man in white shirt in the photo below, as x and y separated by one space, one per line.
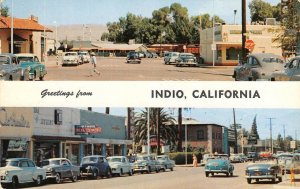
94 64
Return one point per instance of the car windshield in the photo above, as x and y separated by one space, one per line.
50 162
114 159
70 54
4 60
25 58
142 158
82 53
12 163
272 60
89 160
160 158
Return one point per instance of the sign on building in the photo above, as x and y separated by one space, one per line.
87 129
293 144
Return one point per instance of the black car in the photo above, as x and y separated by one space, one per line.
133 57
186 59
94 166
262 171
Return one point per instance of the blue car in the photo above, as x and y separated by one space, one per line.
262 171
216 166
94 166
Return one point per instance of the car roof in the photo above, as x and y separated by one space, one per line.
93 156
7 54
116 157
17 159
57 159
25 54
261 56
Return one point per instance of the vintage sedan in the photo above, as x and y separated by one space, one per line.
144 163
21 170
235 158
133 57
262 171
32 67
291 71
120 165
166 162
259 66
71 58
9 68
58 169
171 57
84 56
94 166
216 166
186 59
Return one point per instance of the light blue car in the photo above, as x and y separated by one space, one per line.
216 166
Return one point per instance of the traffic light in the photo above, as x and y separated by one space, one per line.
285 5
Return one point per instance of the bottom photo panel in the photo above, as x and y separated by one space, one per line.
144 147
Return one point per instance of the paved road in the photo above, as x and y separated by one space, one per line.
181 177
115 69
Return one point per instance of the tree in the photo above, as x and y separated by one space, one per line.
253 131
260 10
280 142
4 11
166 123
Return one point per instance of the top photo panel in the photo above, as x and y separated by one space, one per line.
150 40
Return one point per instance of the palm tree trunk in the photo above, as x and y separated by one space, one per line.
158 130
179 146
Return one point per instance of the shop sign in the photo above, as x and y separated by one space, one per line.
87 129
17 145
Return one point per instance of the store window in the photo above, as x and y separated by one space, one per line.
233 53
58 117
200 135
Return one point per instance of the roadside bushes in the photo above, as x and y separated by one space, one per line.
179 157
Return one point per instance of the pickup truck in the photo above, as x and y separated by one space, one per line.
58 169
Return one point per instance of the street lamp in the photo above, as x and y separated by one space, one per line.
271 140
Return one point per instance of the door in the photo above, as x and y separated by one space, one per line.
26 174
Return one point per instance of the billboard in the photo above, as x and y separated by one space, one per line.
87 129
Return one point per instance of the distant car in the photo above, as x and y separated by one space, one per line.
243 157
120 165
265 155
205 158
71 58
291 71
133 57
235 158
84 56
264 171
251 156
166 162
9 68
21 170
259 66
186 59
154 55
144 163
32 67
171 57
58 169
216 166
94 166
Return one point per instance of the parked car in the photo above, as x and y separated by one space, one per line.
186 59
158 165
171 57
58 169
154 55
262 171
144 163
120 165
265 155
9 68
243 157
32 67
259 66
84 56
293 163
291 71
216 166
94 166
21 170
71 58
166 162
133 57
283 157
251 156
235 158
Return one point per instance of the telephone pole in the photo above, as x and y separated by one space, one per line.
271 140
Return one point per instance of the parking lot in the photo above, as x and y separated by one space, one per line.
182 177
150 69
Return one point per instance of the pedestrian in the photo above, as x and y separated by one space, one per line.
195 161
94 64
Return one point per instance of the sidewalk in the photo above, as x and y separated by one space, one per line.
286 182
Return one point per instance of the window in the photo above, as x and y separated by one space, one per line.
294 64
58 117
31 164
200 135
23 164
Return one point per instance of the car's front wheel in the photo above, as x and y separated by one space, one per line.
14 183
38 180
248 180
57 178
206 174
74 178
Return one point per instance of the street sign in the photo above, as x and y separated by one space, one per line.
249 44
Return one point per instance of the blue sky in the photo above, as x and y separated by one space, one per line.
288 117
102 11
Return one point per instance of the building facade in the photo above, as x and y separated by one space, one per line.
228 42
41 133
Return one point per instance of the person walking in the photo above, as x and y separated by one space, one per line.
94 64
195 161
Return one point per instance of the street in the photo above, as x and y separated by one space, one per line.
182 177
151 69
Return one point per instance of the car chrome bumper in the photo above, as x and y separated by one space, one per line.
261 177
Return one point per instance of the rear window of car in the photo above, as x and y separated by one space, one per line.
272 60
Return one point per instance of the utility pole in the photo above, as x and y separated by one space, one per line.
243 31
158 129
271 140
235 133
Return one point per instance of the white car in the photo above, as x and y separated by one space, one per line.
21 170
71 58
120 165
85 56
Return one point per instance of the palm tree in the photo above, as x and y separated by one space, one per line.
168 131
